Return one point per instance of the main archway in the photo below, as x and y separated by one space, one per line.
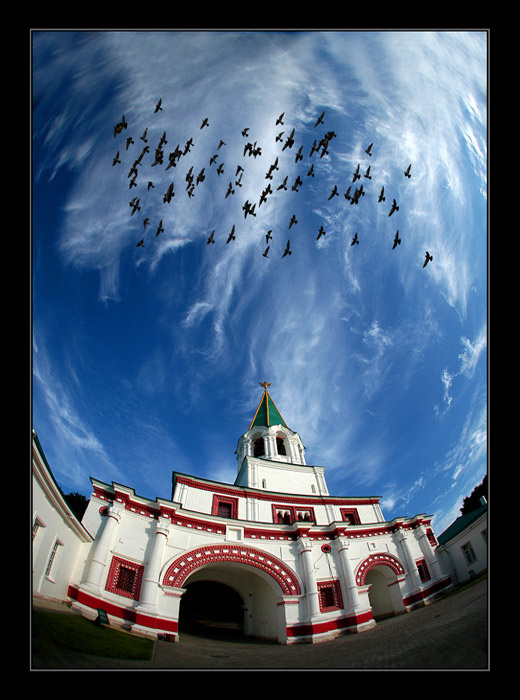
263 582
183 566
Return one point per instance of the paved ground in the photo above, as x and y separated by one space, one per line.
451 633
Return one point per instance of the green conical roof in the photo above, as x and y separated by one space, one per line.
267 414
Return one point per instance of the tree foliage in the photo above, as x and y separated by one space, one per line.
77 502
472 502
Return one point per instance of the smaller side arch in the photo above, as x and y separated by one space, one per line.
378 559
179 570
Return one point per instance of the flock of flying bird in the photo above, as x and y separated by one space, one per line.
250 150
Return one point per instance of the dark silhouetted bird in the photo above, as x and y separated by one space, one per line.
210 239
397 240
150 185
231 236
187 147
320 119
407 171
355 240
220 169
213 159
334 192
135 206
394 208
280 118
311 170
129 142
169 194
367 150
144 136
116 159
356 174
299 155
428 258
158 106
204 123
222 143
201 176
279 137
283 186
347 193
382 197
268 235
265 252
293 221
118 128
287 250
146 222
289 142
245 131
230 190
141 243
321 233
297 183
367 174
248 209
159 229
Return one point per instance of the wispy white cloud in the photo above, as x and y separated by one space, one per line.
468 360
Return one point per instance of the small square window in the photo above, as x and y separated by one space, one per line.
330 596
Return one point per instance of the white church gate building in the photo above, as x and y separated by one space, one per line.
293 563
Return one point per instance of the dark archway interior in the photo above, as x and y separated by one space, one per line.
211 608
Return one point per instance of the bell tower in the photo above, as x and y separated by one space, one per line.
272 456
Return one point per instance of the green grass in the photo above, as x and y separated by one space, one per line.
76 633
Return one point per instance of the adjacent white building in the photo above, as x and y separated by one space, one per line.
304 565
463 546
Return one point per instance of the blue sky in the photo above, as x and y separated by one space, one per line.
147 360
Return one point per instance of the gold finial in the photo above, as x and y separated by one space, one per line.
265 384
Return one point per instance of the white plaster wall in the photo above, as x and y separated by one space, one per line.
70 554
453 559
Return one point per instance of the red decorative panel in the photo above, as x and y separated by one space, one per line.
330 595
377 560
124 578
184 565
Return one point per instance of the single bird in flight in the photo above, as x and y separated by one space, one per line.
428 258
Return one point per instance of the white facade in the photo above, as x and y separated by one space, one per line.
463 550
60 543
306 565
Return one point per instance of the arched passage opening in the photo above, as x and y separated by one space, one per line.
261 580
384 593
211 608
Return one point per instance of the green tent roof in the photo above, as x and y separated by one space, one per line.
267 414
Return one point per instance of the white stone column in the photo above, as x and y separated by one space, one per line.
313 604
99 554
431 559
270 444
408 556
152 572
348 579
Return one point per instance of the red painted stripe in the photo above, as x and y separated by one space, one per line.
126 614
